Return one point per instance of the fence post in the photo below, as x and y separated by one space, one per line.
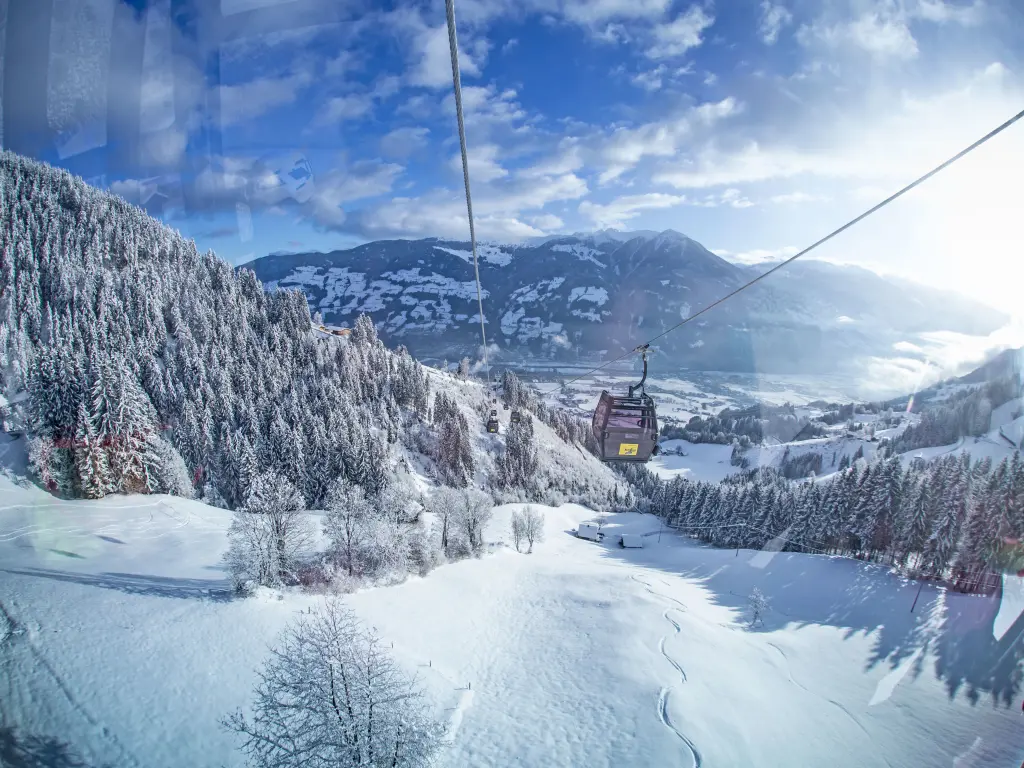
919 588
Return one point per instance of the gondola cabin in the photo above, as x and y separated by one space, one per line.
516 417
626 428
492 423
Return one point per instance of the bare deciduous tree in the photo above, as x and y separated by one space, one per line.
474 510
347 523
533 527
443 504
517 529
269 536
329 695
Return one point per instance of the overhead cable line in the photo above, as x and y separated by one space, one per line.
453 46
918 181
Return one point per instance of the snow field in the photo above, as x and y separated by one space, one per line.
122 641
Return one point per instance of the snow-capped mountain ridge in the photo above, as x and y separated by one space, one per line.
420 294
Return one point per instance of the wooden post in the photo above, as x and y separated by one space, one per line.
920 587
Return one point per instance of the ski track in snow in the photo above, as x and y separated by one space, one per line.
667 721
833 702
663 714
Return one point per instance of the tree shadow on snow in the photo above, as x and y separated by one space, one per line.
139 584
31 751
950 632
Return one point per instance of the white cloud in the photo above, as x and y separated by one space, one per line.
758 255
941 12
621 209
418 106
774 16
870 193
621 150
731 197
430 64
335 188
135 191
385 87
440 215
612 34
649 80
483 166
625 147
566 159
710 112
498 208
680 35
402 142
483 105
595 12
751 163
789 198
890 148
341 108
548 222
164 148
883 29
881 35
433 67
245 101
906 346
734 199
340 65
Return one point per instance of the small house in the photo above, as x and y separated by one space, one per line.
591 531
631 541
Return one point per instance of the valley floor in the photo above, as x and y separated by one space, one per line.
121 645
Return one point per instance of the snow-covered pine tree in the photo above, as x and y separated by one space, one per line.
93 480
517 465
454 453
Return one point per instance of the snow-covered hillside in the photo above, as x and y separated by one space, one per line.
593 296
122 645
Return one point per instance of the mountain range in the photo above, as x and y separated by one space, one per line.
591 296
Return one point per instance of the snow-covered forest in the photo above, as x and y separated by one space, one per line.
966 413
947 520
749 425
136 364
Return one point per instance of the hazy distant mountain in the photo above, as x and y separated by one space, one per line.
591 296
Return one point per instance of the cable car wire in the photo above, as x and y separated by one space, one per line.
917 182
453 47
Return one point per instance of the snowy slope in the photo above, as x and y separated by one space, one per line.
122 643
702 461
710 462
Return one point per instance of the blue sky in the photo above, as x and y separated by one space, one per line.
753 126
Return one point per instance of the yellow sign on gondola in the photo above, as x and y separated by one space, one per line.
628 449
